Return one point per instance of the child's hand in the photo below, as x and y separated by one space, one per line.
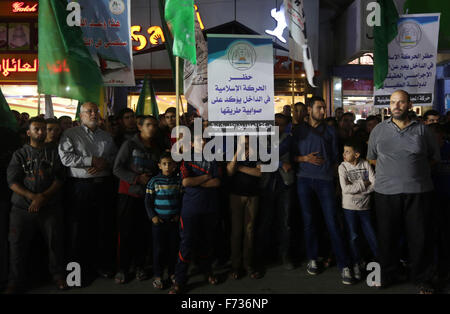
156 220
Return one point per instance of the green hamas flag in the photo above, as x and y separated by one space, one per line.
146 104
66 68
383 35
7 119
179 14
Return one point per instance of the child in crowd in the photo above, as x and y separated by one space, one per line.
199 216
163 205
357 181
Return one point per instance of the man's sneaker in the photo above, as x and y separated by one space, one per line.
357 272
346 276
312 268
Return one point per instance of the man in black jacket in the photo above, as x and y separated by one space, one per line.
35 175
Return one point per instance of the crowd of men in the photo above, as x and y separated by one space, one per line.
106 193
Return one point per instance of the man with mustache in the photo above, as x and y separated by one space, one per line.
403 151
89 154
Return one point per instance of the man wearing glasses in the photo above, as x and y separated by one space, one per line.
89 154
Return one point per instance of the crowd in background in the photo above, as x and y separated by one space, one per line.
107 194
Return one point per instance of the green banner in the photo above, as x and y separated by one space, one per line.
66 68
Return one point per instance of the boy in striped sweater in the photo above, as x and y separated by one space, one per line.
163 205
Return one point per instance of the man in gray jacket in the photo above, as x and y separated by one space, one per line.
35 175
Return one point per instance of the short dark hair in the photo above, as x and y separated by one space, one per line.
431 112
51 121
145 117
355 144
281 116
172 110
346 114
123 111
35 120
299 104
165 155
371 118
310 101
64 117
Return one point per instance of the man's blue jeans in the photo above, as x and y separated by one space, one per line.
354 218
325 192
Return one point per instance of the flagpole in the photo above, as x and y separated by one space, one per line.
177 91
39 104
292 78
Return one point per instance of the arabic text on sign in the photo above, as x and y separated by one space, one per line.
13 65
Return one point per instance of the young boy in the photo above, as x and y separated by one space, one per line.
163 205
357 180
199 216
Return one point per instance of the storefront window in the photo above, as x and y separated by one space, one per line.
24 98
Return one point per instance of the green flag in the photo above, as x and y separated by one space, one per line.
66 68
169 47
179 15
383 35
7 118
433 6
146 104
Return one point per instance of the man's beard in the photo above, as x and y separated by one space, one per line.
90 124
38 140
401 117
316 118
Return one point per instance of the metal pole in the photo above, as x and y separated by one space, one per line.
177 91
293 94
39 104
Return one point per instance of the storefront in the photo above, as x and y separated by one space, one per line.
19 60
352 89
19 55
216 17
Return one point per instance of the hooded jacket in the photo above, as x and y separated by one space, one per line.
36 169
133 160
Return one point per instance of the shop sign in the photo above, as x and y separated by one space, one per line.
13 65
155 34
21 7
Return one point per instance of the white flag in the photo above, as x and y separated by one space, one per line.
196 76
48 107
298 40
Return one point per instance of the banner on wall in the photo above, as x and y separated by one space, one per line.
412 60
240 84
106 33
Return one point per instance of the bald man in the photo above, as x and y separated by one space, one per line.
89 154
403 151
